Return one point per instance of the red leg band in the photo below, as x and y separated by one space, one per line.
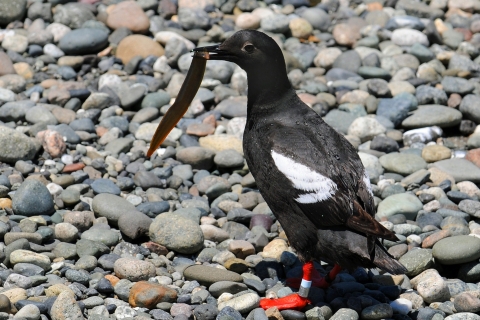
308 268
290 302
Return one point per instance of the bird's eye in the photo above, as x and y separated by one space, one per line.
249 48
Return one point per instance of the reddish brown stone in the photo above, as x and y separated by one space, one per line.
194 191
454 100
155 248
147 295
429 241
210 120
200 129
73 167
474 156
52 142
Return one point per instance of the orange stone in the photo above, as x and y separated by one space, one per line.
113 279
73 167
138 45
474 156
101 131
374 6
5 203
147 295
429 241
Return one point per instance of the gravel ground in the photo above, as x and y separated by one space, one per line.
91 228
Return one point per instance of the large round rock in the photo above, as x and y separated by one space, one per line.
402 163
176 233
15 146
84 41
455 250
11 10
400 203
32 199
133 269
197 157
208 275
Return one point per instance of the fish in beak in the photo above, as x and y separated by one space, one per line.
184 99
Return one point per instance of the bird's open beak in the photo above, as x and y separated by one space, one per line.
212 52
182 102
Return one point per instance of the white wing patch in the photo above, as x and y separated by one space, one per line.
366 181
317 187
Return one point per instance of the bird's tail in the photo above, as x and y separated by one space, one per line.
350 249
386 262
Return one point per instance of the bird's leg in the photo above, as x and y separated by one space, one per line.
317 279
296 301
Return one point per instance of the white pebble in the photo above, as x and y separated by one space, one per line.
401 305
53 51
54 189
413 238
49 163
67 159
134 199
220 130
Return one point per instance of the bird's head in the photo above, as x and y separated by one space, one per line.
252 50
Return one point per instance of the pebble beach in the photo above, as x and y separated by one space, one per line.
90 228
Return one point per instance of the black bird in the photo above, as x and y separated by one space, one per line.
310 176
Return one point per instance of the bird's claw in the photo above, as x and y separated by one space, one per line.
290 302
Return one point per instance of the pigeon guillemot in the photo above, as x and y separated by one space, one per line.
310 176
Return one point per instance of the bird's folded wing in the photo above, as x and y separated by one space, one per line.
329 182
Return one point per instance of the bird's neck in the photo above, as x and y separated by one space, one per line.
265 90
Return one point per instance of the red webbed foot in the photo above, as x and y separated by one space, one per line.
290 302
298 301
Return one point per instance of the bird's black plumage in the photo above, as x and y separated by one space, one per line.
310 175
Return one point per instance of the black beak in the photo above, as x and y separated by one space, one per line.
213 52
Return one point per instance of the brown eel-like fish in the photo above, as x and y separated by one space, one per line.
180 106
